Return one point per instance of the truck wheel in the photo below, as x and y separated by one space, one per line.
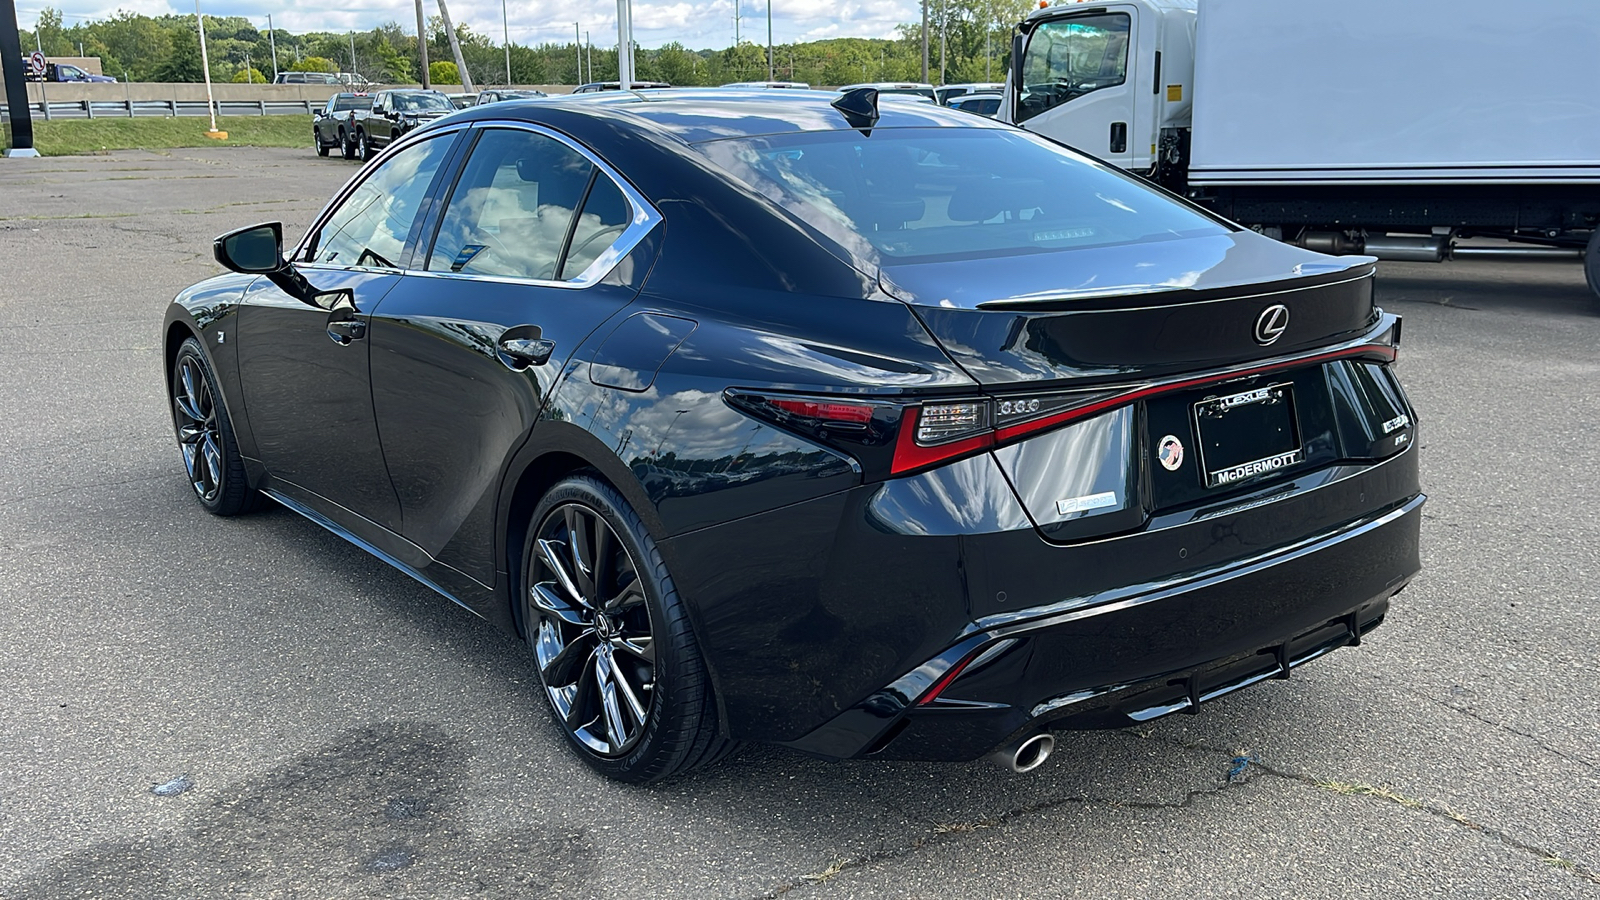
322 149
364 145
347 147
1591 261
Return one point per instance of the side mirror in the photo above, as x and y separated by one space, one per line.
257 250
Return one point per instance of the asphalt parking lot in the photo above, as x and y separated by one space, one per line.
325 727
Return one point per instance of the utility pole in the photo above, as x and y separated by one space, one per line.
577 44
944 17
736 12
769 40
924 41
352 53
272 41
248 78
455 48
505 25
588 54
988 30
422 46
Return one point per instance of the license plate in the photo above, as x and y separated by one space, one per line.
1247 434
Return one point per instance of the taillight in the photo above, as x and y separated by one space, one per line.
896 436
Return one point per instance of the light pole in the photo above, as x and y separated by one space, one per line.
577 44
505 25
625 44
769 40
205 65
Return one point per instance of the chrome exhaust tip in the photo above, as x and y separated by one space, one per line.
1027 754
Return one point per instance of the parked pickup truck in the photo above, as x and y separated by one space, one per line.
393 114
64 72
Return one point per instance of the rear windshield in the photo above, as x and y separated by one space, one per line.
925 194
340 104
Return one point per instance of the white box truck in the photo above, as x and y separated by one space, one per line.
1386 127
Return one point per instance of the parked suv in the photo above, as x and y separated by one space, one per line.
305 78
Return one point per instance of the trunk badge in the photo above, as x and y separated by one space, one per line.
1170 453
1272 323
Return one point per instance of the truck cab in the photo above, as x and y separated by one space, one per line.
1107 78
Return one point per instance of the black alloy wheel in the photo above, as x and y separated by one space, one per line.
316 137
211 458
615 652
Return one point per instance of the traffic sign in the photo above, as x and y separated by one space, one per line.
36 59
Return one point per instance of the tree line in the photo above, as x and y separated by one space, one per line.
972 37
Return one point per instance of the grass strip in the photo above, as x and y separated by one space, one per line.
65 137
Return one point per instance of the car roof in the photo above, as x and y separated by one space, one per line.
693 115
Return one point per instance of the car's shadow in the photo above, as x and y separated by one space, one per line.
397 806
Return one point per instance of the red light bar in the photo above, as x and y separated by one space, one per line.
854 414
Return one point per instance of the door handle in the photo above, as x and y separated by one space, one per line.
1119 137
346 330
520 353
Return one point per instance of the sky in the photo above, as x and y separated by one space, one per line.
698 24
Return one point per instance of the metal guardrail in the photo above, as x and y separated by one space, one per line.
102 109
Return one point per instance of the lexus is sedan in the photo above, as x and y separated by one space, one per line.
870 430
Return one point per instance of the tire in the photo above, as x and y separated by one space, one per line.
1591 261
619 628
346 146
322 149
364 146
200 421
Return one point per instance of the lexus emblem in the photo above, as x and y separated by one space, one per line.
1272 323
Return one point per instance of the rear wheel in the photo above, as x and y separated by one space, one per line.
211 458
346 145
619 663
322 149
364 145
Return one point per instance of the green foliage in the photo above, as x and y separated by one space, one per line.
183 58
251 75
315 64
164 48
444 72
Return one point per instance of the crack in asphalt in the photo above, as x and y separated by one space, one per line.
944 833
1537 741
1434 808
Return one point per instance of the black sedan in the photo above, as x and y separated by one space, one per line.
783 416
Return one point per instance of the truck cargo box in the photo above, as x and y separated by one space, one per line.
1384 92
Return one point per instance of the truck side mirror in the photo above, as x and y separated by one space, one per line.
1019 43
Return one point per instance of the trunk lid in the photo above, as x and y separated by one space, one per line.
1133 311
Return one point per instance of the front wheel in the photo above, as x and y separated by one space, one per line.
347 147
322 149
211 457
364 146
618 660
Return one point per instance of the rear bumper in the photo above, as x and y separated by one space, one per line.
1133 659
824 623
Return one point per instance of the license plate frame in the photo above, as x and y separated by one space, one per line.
1230 426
